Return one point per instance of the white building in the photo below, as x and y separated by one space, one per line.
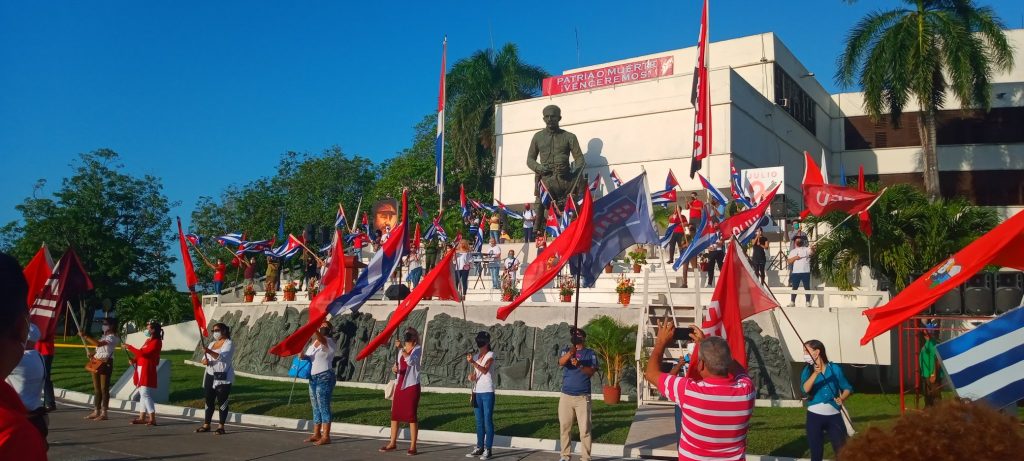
767 109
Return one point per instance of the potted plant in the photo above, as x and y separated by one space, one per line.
625 290
249 293
638 257
289 291
314 288
608 268
614 343
508 289
566 288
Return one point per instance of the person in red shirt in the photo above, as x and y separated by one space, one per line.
19 439
695 207
218 276
677 235
145 378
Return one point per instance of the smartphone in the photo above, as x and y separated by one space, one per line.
683 334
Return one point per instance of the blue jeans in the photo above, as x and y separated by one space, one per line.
496 235
484 411
816 425
321 387
415 275
463 279
795 279
527 234
217 286
495 277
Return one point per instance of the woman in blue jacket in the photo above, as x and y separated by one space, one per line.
826 389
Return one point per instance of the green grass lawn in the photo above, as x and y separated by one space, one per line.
773 431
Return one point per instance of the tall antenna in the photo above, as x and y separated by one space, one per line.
577 46
490 34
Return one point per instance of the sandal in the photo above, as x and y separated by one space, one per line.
138 421
219 431
387 448
412 452
203 429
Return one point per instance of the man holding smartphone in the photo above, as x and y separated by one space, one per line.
716 407
578 365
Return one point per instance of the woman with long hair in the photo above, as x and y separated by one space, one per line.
407 390
462 261
101 377
145 361
826 389
321 382
220 373
483 395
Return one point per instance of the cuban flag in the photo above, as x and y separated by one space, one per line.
233 239
419 211
673 224
483 206
193 239
596 184
439 142
671 182
256 247
664 197
379 269
615 179
283 252
707 235
736 184
339 219
462 201
987 363
366 224
512 214
716 195
438 230
568 214
551 226
545 196
478 233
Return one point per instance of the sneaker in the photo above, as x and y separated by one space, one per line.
476 452
791 305
486 454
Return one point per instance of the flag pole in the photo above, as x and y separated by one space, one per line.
873 202
303 245
352 227
579 270
77 326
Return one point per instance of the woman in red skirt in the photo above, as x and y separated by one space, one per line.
407 389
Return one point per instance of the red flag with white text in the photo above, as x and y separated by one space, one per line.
190 282
68 281
701 98
821 198
37 272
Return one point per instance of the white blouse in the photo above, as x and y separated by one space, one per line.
322 357
107 351
222 364
412 373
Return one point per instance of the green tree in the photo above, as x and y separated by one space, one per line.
910 235
475 85
412 168
920 54
117 223
164 305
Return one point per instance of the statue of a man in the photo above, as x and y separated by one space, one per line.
548 157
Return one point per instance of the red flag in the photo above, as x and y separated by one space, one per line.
860 179
190 282
574 240
37 272
416 238
332 286
821 198
738 223
701 98
439 283
865 222
737 296
67 281
1002 246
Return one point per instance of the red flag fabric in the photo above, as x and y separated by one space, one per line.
1002 246
700 97
860 178
821 198
67 281
865 222
190 282
574 240
416 239
37 272
332 286
812 175
737 296
738 223
439 283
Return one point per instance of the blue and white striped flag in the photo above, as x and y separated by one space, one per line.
987 363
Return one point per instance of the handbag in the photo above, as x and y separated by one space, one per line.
95 365
300 368
472 399
220 376
389 389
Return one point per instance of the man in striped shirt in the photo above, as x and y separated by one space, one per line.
716 408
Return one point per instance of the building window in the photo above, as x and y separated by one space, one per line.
953 127
985 188
794 101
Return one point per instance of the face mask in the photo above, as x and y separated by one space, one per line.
481 342
216 335
808 359
148 334
325 332
107 329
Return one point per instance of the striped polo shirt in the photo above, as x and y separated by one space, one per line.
716 412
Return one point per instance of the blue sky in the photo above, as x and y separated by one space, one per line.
207 94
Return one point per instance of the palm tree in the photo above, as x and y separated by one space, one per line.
475 85
923 52
910 235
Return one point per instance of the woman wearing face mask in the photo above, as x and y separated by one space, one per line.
483 395
321 382
145 362
826 388
220 373
407 390
101 378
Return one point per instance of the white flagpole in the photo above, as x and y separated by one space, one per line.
873 202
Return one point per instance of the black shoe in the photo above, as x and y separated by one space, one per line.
50 407
476 452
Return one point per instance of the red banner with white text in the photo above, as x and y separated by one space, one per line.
607 76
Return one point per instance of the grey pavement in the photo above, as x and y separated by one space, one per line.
74 438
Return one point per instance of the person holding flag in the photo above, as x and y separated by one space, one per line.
528 222
677 224
145 361
826 388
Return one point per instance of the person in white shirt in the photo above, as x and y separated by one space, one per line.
800 258
511 264
415 267
27 377
462 260
483 395
494 256
528 218
321 382
406 400
101 378
220 373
